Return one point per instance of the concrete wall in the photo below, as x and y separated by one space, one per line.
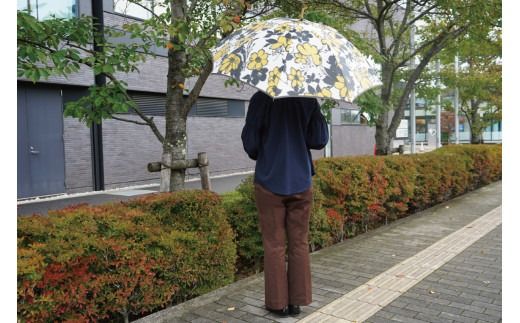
349 140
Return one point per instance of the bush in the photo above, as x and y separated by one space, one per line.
354 194
242 215
116 260
369 191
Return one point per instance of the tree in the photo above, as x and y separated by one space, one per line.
479 79
188 29
438 22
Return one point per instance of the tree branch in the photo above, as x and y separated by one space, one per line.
379 25
405 25
436 47
396 39
150 11
440 38
128 120
147 120
90 51
194 93
360 14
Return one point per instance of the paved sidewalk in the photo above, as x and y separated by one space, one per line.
439 265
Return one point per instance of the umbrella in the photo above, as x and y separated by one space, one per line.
286 57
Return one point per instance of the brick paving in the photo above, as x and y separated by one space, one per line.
458 294
465 289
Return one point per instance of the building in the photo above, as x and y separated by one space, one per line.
55 152
426 126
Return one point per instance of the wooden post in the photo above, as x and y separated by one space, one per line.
202 162
204 171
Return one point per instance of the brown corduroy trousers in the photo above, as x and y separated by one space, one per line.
281 216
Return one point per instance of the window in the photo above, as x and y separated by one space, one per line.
349 116
45 9
152 104
131 9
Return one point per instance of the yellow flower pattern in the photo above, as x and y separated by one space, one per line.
257 60
274 76
296 78
273 80
218 55
257 26
341 86
282 42
283 28
308 50
324 93
229 63
291 57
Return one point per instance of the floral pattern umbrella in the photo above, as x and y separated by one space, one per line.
289 57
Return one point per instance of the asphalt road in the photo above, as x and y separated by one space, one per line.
219 185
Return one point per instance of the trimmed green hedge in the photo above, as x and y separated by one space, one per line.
355 194
92 263
115 261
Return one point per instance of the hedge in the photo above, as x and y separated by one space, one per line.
355 194
118 261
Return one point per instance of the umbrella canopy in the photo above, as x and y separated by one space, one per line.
286 57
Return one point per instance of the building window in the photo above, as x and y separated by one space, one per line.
46 9
153 104
350 116
127 8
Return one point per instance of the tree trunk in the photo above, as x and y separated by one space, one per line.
382 135
382 142
174 146
174 149
475 123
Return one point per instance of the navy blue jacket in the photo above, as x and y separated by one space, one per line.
278 135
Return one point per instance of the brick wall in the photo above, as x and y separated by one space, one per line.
78 158
220 139
128 148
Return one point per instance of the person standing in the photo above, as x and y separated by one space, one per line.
278 134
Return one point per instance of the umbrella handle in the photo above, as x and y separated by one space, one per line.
304 7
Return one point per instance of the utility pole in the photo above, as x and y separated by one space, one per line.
438 116
456 102
412 94
100 80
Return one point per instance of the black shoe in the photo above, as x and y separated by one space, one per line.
284 312
294 309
